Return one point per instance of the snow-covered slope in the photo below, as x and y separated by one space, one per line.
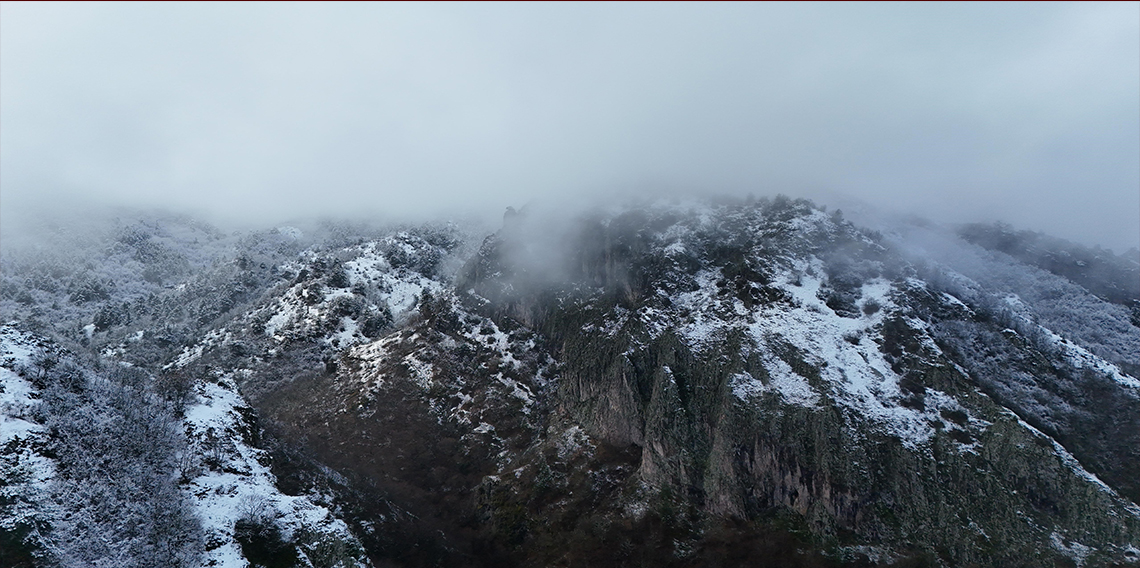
673 384
233 489
228 506
25 467
776 357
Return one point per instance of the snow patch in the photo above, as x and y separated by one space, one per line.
572 440
1081 358
518 390
233 482
25 472
842 352
839 351
420 372
1074 550
348 333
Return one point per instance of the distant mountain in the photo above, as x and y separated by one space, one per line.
705 383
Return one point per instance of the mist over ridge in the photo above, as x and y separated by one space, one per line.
255 114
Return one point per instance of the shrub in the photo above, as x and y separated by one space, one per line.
262 543
871 306
17 549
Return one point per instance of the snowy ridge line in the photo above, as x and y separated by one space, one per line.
1076 355
1082 359
1076 466
1035 299
294 314
399 290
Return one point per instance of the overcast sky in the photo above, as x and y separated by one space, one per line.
1028 113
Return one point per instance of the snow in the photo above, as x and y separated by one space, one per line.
496 341
25 472
518 390
1034 296
851 367
461 414
375 361
16 348
675 249
705 327
371 357
793 387
194 352
1075 354
401 288
1081 358
12 427
335 293
395 290
572 440
1131 554
277 321
348 332
854 374
369 266
1074 550
17 395
240 485
419 371
371 278
744 386
956 302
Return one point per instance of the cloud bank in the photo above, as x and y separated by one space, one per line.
1028 113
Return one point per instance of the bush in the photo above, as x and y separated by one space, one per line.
262 543
337 277
110 315
376 324
176 387
16 548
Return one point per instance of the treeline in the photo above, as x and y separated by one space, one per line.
1112 277
116 443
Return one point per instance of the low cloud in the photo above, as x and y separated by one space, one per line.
1028 113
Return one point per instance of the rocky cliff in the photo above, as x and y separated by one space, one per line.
753 382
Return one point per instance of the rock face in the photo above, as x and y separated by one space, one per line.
773 357
702 384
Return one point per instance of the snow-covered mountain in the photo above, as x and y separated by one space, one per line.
703 383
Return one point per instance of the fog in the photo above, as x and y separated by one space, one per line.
258 113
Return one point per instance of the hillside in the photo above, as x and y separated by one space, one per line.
706 383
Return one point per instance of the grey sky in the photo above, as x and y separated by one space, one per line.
1024 112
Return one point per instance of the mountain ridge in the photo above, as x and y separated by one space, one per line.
725 380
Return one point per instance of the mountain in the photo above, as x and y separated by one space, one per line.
705 383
